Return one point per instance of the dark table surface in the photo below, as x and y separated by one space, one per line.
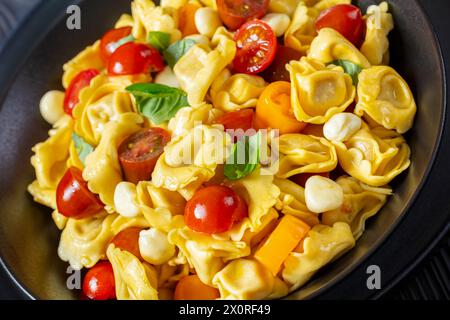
429 280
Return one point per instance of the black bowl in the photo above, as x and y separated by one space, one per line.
30 64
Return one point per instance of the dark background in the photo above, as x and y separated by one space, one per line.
429 280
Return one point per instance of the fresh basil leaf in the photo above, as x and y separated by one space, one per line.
350 68
158 102
83 148
114 46
175 51
244 158
159 40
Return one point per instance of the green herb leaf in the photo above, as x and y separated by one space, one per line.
83 148
244 158
158 102
177 50
350 68
114 46
159 40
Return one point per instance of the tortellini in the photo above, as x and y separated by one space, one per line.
188 117
386 98
361 202
374 156
322 245
319 92
302 30
283 6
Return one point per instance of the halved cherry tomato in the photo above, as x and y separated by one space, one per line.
256 47
214 209
81 81
277 70
109 39
234 13
139 153
237 122
301 179
186 22
73 198
99 282
274 111
128 240
134 58
192 288
346 19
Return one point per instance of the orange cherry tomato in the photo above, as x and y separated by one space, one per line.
301 179
128 240
99 284
109 39
192 288
186 22
81 81
234 13
274 111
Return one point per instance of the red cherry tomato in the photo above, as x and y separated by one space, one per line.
139 153
346 19
128 240
277 70
135 58
256 47
214 209
236 121
73 198
99 282
301 179
109 39
81 81
234 13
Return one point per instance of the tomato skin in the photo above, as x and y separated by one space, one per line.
237 120
301 179
99 283
139 153
73 198
81 81
111 37
277 70
135 58
256 47
128 240
192 288
214 209
347 19
234 13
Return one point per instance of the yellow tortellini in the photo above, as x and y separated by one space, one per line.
134 280
301 153
319 92
374 156
361 202
302 29
200 66
235 92
44 196
283 6
376 44
188 117
176 4
322 245
386 98
83 242
247 279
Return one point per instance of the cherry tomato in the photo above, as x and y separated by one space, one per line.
192 288
301 179
99 282
73 198
139 153
234 13
237 121
214 209
346 19
128 240
109 39
277 70
135 58
256 47
81 81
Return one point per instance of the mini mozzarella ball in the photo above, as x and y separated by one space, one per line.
207 21
323 194
52 106
154 246
167 77
125 200
199 39
279 22
341 127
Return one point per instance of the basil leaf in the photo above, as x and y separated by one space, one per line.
177 50
244 158
350 68
114 46
83 148
159 40
158 102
